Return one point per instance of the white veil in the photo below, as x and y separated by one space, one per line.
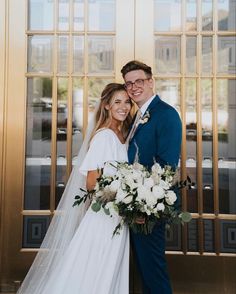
61 230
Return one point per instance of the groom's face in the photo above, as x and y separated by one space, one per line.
139 86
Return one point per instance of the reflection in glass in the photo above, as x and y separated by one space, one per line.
96 87
40 15
193 235
191 52
207 55
78 54
38 143
226 15
101 54
62 110
167 15
40 53
227 144
63 15
191 142
63 54
101 15
167 54
209 245
78 15
77 123
169 91
227 55
34 230
191 15
207 147
207 15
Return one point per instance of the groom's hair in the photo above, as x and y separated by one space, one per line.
136 65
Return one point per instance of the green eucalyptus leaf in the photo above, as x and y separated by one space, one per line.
96 206
185 217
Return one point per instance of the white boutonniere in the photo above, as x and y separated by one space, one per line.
144 119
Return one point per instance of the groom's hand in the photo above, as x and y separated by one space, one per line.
140 220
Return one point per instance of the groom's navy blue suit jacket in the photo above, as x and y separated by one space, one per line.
159 139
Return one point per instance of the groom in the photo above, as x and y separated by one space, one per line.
156 138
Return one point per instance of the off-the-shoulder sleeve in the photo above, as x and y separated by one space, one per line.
102 149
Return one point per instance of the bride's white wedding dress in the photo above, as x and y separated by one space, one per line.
95 262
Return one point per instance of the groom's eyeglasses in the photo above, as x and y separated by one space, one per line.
137 83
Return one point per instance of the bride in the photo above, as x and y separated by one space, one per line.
79 254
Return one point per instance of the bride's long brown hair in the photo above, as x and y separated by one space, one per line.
103 117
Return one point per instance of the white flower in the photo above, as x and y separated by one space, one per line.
158 192
160 207
148 182
150 199
170 197
121 194
157 169
131 183
114 186
164 185
143 193
110 206
127 199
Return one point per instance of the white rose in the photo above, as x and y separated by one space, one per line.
164 185
143 192
158 192
128 199
148 182
110 206
131 183
160 207
114 186
170 197
156 168
120 195
150 199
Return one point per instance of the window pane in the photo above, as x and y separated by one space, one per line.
191 15
40 15
63 53
78 15
63 15
101 54
226 15
167 54
169 91
38 143
193 235
207 15
207 130
62 110
209 235
102 15
78 54
167 15
227 144
191 52
173 238
191 142
227 55
77 123
207 55
40 53
96 87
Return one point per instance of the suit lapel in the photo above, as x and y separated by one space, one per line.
152 105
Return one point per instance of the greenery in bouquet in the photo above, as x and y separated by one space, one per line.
133 191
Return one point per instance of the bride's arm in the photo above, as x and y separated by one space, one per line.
91 179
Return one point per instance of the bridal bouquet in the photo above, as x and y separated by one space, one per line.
133 191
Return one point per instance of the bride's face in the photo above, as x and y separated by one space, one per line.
120 106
